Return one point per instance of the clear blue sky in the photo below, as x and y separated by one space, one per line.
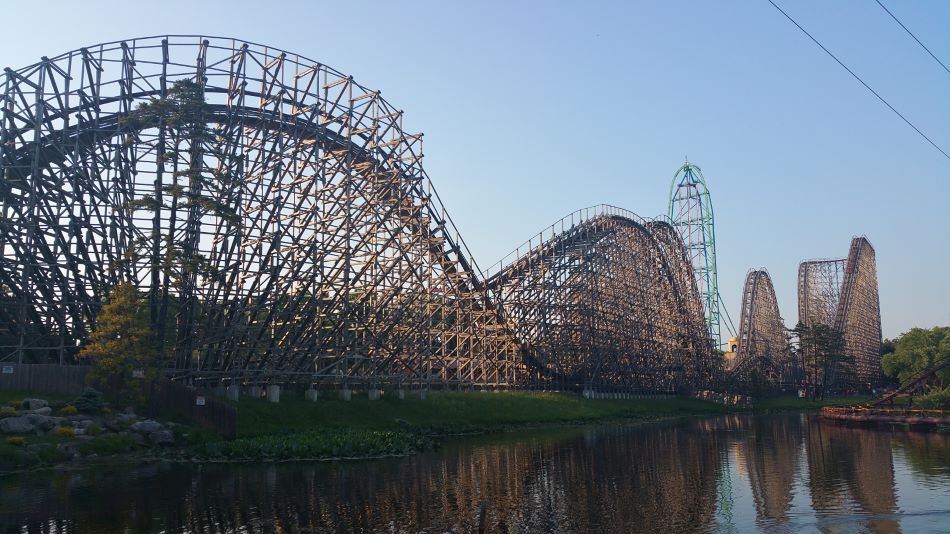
532 110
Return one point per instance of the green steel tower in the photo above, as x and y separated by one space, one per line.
691 211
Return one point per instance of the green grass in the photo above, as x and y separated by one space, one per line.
446 412
310 444
7 396
780 404
331 428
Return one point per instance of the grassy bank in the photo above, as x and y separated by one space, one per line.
330 428
787 404
451 412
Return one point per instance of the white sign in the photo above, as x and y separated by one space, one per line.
199 400
138 373
8 369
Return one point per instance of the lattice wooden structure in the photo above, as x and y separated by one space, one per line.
605 300
763 344
843 294
279 224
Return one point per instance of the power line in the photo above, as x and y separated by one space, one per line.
912 35
858 78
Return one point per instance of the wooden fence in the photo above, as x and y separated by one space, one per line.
43 378
166 397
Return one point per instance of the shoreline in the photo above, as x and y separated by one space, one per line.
136 459
360 429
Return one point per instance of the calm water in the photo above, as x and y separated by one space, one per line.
731 474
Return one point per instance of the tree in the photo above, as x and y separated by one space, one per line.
203 172
821 349
122 342
917 350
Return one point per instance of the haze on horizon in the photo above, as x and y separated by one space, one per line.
535 110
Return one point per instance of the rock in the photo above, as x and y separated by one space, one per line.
34 404
162 437
44 422
35 447
46 410
79 432
113 425
16 425
85 423
67 447
146 427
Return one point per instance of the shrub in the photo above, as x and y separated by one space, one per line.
7 411
15 403
121 343
935 400
16 441
89 402
69 409
64 431
93 430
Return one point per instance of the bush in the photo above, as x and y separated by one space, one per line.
89 402
935 400
14 403
69 409
93 430
7 411
16 441
64 431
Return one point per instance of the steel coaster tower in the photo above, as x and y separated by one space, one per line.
691 211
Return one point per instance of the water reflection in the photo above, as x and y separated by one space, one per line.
740 472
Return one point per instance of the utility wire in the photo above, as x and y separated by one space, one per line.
858 78
912 35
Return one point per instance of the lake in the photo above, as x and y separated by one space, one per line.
740 473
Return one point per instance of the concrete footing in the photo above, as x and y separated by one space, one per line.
273 393
311 395
346 394
254 392
374 394
219 391
400 394
423 394
233 393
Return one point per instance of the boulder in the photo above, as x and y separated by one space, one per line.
114 425
162 437
16 425
44 422
146 427
126 417
34 404
35 447
45 410
68 447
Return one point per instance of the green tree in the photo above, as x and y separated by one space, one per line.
917 350
821 349
196 173
121 343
